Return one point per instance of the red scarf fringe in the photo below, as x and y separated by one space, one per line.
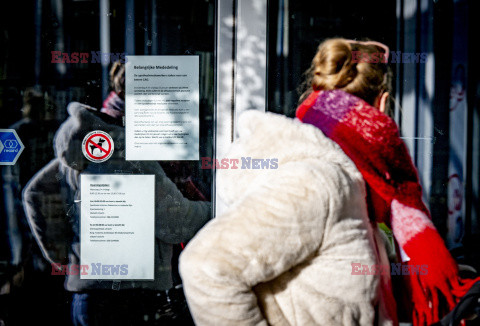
372 140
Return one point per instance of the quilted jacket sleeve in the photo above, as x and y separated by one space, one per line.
274 227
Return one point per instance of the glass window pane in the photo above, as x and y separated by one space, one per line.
53 54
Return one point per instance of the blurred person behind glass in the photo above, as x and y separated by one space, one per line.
35 130
177 219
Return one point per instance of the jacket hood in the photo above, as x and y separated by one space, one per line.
273 136
82 120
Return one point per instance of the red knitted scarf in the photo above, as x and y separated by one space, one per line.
372 141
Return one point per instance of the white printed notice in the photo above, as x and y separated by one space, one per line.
117 227
162 108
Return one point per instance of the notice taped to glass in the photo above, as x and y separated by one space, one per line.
117 226
162 108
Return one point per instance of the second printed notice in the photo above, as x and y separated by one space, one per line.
162 108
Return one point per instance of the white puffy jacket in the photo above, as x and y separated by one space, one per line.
281 254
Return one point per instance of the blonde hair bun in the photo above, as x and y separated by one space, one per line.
333 67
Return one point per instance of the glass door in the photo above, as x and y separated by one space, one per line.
89 236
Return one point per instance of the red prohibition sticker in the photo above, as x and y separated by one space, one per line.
97 146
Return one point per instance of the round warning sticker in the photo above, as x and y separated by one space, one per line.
97 146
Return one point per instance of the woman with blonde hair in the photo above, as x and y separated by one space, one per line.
299 245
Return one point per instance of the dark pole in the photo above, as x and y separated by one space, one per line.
38 42
105 43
